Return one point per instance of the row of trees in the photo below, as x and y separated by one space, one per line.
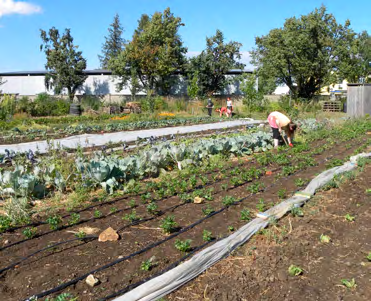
305 54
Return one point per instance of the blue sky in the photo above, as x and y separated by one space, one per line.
239 20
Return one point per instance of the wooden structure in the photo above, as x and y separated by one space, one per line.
131 107
332 106
359 100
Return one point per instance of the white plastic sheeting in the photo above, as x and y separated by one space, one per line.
173 279
90 140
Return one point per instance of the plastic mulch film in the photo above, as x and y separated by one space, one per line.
180 275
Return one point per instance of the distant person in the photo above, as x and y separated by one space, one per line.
209 106
229 106
279 123
222 110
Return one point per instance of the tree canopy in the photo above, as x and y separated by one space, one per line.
114 42
305 53
214 62
155 53
64 63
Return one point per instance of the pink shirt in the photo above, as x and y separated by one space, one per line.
277 118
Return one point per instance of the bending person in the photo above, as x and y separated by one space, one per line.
279 123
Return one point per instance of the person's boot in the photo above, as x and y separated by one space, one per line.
275 143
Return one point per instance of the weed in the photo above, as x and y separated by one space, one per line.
295 270
54 221
260 205
351 284
29 232
183 246
207 235
245 215
97 214
208 210
168 224
74 219
324 238
5 223
349 218
229 200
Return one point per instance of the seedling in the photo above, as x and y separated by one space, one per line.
260 206
300 182
29 232
152 208
224 186
229 200
74 219
61 297
324 238
231 228
146 265
97 214
208 210
132 203
183 246
368 191
80 234
245 215
54 221
168 224
131 217
296 211
207 235
351 284
281 193
295 270
350 218
368 257
255 188
113 210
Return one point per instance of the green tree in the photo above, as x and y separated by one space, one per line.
156 52
114 42
64 63
1 83
214 62
303 53
192 88
354 55
253 99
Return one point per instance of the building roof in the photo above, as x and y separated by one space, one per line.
92 72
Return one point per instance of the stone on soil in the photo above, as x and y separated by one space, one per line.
92 281
108 235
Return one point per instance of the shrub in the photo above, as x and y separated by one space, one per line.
91 102
7 107
46 105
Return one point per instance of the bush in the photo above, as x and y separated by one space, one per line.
91 102
46 105
7 107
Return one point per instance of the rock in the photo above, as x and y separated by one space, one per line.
91 280
108 235
198 200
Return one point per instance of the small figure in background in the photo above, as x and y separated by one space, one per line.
229 107
209 106
222 110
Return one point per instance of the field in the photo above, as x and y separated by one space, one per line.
168 214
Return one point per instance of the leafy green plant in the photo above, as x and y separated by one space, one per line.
146 265
224 187
54 221
229 200
74 219
368 257
169 225
113 210
351 284
97 214
5 223
80 234
132 216
152 208
231 228
297 211
29 232
334 163
207 235
349 218
324 238
208 210
260 205
183 246
245 215
62 297
281 193
295 270
132 203
255 187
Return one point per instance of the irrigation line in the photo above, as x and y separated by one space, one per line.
151 246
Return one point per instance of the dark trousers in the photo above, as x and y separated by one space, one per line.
209 111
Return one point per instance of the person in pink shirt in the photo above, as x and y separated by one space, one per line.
279 123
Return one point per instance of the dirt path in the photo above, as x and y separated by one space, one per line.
93 140
259 270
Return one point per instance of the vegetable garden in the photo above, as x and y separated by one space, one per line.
166 202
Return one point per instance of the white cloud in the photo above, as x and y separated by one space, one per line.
10 7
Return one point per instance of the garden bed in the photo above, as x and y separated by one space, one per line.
240 190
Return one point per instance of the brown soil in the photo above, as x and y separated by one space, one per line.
65 262
259 269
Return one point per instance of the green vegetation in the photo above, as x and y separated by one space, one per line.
295 270
207 235
183 246
351 284
169 225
